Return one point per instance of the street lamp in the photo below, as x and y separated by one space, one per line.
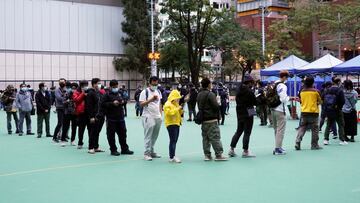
153 60
263 9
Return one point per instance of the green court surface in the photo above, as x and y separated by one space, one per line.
39 171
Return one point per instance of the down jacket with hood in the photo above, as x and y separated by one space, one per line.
172 109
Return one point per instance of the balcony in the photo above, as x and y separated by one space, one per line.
256 4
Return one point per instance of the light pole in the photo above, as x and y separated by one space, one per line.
263 7
153 61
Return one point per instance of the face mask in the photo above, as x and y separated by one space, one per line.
99 86
24 89
69 90
62 85
154 87
85 88
115 90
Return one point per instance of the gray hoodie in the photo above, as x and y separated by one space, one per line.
24 101
59 98
351 97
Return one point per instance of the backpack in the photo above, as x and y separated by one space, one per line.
70 106
272 97
330 102
125 95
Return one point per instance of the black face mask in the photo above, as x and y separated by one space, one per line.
62 85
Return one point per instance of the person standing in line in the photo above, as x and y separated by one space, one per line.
24 104
223 105
92 107
334 101
261 103
310 100
279 112
8 98
59 103
125 95
82 117
138 107
323 117
150 101
209 108
172 113
349 110
112 106
69 115
192 102
245 102
43 108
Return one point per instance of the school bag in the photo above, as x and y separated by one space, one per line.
272 97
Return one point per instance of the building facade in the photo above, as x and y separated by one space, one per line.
44 40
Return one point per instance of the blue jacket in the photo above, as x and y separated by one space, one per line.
24 101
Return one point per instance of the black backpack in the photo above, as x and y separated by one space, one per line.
272 97
330 103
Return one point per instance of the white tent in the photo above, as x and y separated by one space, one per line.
289 64
322 65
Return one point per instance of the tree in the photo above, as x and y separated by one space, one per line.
241 48
345 21
191 20
137 40
174 58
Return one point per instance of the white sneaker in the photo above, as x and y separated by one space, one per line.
343 143
326 142
155 156
63 144
232 153
175 160
148 158
248 155
73 143
91 151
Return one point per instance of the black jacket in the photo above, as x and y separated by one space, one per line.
112 112
193 97
245 99
92 104
42 102
206 101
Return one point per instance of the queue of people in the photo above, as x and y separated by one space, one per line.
81 106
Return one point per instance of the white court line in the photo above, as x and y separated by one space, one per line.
74 166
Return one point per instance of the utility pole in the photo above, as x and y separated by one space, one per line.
263 7
339 44
153 61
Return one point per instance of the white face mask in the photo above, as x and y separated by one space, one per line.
154 87
99 86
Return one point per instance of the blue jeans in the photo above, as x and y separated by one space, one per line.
174 131
25 115
9 127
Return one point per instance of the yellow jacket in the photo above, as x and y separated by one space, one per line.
310 100
172 110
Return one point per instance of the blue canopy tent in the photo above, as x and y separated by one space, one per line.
349 67
322 65
289 64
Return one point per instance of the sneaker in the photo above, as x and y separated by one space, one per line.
352 140
49 136
80 147
10 132
335 137
115 153
98 150
127 152
148 158
56 140
91 151
316 147
220 158
63 144
283 150
155 156
232 153
297 146
278 151
30 133
17 132
326 142
208 158
248 154
175 160
39 136
343 143
20 134
73 143
189 120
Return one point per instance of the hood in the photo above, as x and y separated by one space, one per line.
174 95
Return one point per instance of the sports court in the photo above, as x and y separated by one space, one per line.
37 170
